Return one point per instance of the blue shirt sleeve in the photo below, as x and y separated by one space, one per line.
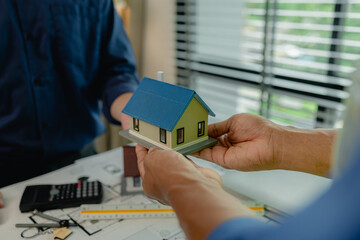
117 61
237 228
335 215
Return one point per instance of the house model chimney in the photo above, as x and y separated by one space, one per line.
160 76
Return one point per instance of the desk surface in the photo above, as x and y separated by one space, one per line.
285 190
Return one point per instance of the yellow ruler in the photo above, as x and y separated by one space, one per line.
257 207
131 211
125 211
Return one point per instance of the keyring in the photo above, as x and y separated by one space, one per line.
38 233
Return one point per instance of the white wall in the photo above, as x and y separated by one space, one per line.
158 51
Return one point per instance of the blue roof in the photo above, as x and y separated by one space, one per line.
161 104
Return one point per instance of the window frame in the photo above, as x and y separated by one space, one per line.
161 130
177 135
201 128
136 123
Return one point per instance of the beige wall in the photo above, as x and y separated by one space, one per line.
151 33
151 30
158 51
135 31
150 133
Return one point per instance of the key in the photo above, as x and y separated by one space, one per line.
61 233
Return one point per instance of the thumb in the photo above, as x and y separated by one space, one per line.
218 129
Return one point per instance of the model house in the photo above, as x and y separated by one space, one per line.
169 117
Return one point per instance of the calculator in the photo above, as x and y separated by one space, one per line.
46 197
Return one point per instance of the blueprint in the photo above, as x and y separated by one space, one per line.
167 228
108 170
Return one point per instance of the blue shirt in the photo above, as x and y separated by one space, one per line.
336 214
58 58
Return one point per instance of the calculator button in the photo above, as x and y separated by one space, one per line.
54 191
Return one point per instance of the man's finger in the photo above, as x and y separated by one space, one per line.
154 149
215 154
141 152
205 154
192 162
217 129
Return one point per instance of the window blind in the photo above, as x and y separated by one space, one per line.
290 61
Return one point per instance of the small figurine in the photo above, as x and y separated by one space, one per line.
169 117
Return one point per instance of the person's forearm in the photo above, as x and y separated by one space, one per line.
203 205
307 151
118 105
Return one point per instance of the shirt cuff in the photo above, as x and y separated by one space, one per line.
236 228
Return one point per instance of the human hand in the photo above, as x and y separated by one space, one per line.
172 179
125 122
249 143
165 170
1 201
116 110
246 142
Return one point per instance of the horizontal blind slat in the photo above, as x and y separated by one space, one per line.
308 57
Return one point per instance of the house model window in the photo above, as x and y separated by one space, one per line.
201 128
162 135
136 124
180 135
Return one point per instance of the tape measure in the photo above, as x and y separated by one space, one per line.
131 211
125 211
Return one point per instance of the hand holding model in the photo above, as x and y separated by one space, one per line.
246 142
172 179
251 143
172 166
